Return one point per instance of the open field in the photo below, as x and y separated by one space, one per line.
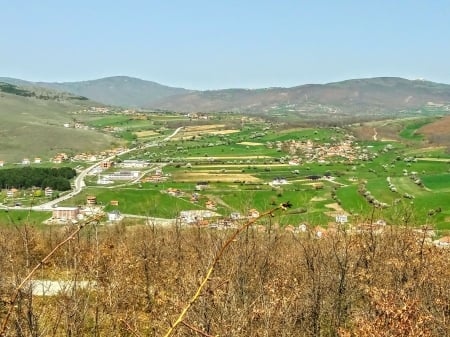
248 168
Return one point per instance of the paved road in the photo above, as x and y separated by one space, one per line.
79 180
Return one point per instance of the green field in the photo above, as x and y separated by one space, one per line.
239 168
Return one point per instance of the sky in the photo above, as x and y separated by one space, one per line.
225 43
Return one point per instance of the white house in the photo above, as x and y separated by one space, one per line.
114 216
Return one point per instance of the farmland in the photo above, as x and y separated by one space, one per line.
248 163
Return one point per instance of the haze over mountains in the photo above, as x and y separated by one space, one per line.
371 95
118 90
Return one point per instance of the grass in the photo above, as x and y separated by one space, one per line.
410 130
34 128
20 217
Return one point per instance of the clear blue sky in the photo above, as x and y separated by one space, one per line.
220 44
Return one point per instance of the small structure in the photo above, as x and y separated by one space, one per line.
195 216
341 218
235 216
48 192
253 213
201 185
12 193
106 164
66 213
114 216
37 160
129 163
91 200
279 181
26 161
114 202
123 175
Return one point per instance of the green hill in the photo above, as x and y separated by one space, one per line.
118 90
32 124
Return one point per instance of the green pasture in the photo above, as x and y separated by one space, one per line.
14 217
437 182
410 130
144 202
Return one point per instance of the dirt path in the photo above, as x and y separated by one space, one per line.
375 134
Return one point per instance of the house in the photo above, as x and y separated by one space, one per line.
13 192
48 192
253 213
174 192
114 202
2 163
37 160
195 216
194 197
91 200
210 205
279 181
201 185
114 216
106 164
341 218
442 242
235 216
26 161
66 213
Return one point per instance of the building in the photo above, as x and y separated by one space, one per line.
48 192
122 175
114 216
13 192
106 164
66 213
91 200
134 163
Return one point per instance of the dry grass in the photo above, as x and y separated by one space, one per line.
250 143
148 133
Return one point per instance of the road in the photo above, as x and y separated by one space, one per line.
79 183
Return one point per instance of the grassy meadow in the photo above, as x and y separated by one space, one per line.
241 161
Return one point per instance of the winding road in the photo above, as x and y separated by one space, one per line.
79 183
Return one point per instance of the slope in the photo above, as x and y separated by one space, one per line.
32 124
118 90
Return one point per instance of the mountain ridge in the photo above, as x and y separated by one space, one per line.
123 91
370 95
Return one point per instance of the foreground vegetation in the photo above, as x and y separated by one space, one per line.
271 283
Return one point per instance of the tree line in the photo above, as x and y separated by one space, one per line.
27 177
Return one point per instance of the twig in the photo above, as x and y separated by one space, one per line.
283 206
41 263
129 328
193 328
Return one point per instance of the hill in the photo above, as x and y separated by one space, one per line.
32 122
351 99
117 90
373 96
